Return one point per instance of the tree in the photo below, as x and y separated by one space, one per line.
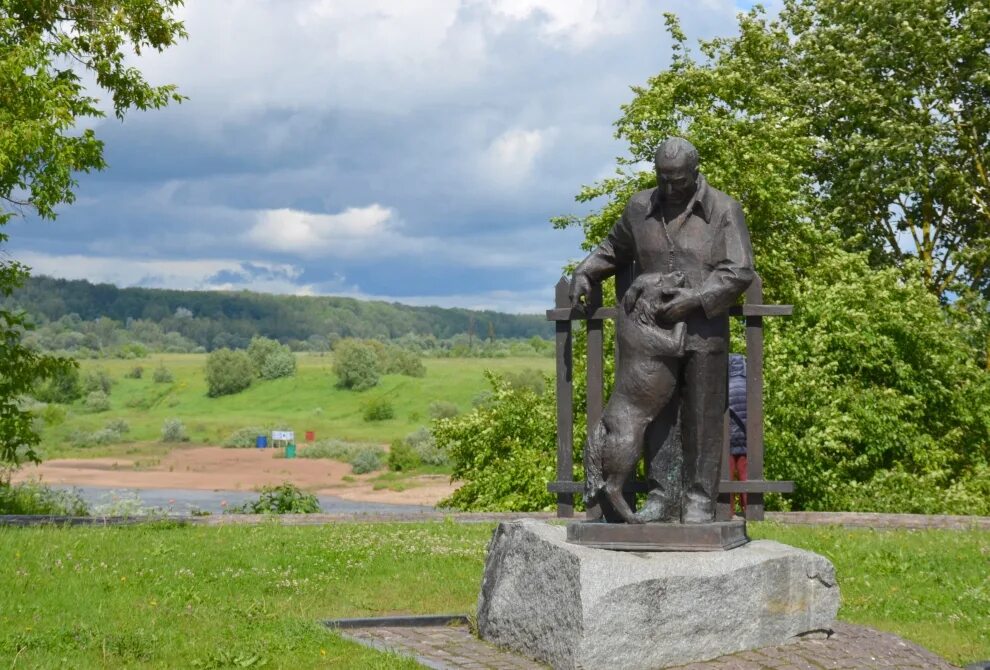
44 45
356 364
228 372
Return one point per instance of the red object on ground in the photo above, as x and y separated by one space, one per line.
310 436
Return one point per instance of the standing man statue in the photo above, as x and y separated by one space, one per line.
683 225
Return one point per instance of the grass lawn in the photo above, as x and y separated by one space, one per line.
307 401
250 596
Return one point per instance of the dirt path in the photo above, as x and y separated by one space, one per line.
216 468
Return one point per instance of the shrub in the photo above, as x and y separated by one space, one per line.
118 426
401 457
36 498
162 375
65 387
270 359
286 498
426 449
135 373
399 361
442 409
378 409
355 364
173 430
52 414
367 460
228 372
97 401
281 363
503 451
244 437
97 380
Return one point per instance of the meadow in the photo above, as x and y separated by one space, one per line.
162 595
307 401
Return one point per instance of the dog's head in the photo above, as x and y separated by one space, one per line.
646 293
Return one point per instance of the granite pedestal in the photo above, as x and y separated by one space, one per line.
572 606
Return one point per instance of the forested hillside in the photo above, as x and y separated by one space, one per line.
213 319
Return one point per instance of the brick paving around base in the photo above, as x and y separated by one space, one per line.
850 647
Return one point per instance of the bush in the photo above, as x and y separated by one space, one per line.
355 364
503 451
401 457
245 437
527 378
118 426
426 449
162 375
367 460
97 380
282 363
173 430
270 359
97 401
399 361
65 387
36 498
135 373
228 372
378 409
285 498
441 409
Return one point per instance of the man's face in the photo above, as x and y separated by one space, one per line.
676 178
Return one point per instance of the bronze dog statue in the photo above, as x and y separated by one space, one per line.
643 387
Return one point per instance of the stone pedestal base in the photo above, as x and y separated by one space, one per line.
577 607
716 536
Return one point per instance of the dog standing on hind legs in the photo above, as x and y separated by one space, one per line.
644 384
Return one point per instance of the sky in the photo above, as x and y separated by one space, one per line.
405 150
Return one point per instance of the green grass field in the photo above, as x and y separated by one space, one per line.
160 596
307 401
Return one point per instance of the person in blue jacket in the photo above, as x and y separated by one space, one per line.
737 425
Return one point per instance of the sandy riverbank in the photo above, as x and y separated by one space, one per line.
216 468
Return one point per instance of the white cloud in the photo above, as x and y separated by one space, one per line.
354 231
510 158
573 23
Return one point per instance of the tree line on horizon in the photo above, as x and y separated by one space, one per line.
101 319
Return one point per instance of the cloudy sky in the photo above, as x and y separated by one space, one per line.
410 150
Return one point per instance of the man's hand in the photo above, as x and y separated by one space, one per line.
679 303
580 288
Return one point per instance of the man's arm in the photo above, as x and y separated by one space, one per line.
615 251
732 256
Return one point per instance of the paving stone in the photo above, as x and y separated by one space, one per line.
851 647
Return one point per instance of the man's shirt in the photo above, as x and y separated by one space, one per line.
709 244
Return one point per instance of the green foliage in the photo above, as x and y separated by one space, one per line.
398 361
137 372
162 375
873 400
112 433
36 498
416 449
173 430
97 401
270 359
527 378
503 452
401 457
378 409
281 363
44 142
441 409
228 372
97 380
286 498
367 460
245 437
355 364
64 386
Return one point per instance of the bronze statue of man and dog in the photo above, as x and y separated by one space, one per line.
690 245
